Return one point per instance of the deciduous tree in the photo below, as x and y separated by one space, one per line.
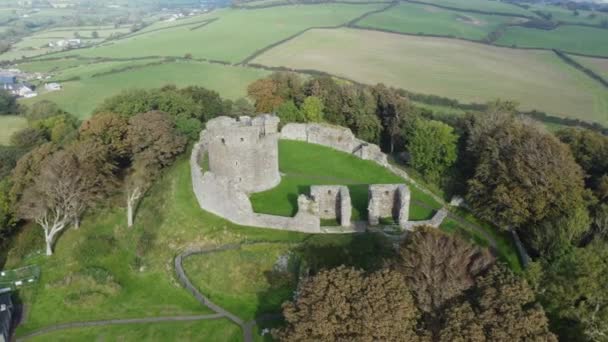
312 109
432 145
345 304
265 93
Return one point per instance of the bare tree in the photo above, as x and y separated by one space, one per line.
137 184
54 197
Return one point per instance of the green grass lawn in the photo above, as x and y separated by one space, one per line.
234 36
304 164
9 124
82 96
597 65
561 14
252 281
469 72
482 5
576 39
425 19
214 330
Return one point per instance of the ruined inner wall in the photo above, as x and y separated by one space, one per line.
333 202
245 151
388 200
339 138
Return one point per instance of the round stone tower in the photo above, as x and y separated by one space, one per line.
246 151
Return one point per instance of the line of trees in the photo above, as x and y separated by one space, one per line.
58 168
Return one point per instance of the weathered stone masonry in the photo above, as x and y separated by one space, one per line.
388 201
243 158
333 202
245 151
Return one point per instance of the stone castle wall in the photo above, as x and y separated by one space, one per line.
243 158
245 151
338 138
388 200
333 202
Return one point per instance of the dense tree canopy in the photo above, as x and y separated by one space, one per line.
345 304
501 308
574 291
8 103
439 268
432 147
527 179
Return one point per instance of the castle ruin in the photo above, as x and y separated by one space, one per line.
243 158
245 151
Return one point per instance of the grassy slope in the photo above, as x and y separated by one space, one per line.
306 164
105 270
81 97
235 35
137 276
215 330
247 286
414 18
598 65
9 124
466 71
577 39
481 5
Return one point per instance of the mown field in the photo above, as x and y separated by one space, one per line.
493 6
457 69
569 38
9 124
415 19
37 44
598 65
235 34
560 14
80 97
305 164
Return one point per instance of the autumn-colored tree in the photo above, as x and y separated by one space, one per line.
110 130
344 304
501 308
56 196
154 143
265 93
439 267
28 168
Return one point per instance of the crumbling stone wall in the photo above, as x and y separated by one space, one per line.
245 151
336 137
333 202
388 200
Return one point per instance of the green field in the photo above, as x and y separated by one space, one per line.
246 286
82 96
214 330
482 5
305 164
597 65
569 38
9 124
415 19
466 71
561 14
234 36
37 44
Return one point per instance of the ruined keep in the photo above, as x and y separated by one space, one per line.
235 158
245 151
389 201
333 202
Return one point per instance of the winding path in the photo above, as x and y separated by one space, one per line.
247 327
